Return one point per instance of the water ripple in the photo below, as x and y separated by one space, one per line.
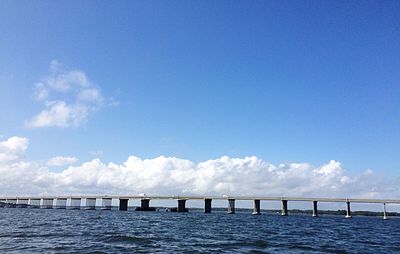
80 231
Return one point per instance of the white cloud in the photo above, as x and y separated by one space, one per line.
90 95
68 98
174 176
41 91
61 161
65 81
13 149
60 114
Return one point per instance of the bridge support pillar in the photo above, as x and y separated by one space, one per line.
61 203
145 204
207 205
284 208
106 203
348 210
315 209
123 204
75 203
181 206
47 203
90 204
256 208
384 211
231 206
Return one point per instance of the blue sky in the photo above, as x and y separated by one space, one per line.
286 81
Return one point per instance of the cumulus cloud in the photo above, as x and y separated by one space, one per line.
174 176
13 149
68 97
61 161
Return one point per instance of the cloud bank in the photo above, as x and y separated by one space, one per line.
68 97
174 176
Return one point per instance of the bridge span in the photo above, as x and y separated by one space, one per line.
89 202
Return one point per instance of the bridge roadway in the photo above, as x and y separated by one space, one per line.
75 202
173 197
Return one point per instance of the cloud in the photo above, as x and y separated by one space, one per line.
174 176
13 149
60 114
68 97
61 161
90 95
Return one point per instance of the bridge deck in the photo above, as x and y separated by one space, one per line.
319 199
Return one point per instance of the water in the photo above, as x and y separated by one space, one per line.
80 231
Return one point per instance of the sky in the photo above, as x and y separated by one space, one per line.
203 97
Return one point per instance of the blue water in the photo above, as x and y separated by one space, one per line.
80 231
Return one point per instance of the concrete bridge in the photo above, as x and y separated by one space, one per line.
89 202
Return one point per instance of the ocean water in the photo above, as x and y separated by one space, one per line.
25 230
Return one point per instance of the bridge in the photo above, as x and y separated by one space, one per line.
89 202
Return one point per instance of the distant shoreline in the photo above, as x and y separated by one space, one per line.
248 210
309 212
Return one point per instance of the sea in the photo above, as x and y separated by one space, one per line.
24 230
